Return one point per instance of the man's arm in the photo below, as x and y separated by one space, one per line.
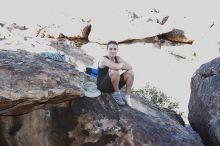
106 62
126 66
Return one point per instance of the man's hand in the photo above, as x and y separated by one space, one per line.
126 67
121 65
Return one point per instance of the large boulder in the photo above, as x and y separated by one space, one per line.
30 80
94 122
42 103
204 104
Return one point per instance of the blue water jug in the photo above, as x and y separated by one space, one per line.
92 71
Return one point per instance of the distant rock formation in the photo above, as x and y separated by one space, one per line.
15 26
204 104
176 35
82 38
79 40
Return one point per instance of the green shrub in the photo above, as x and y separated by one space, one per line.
157 97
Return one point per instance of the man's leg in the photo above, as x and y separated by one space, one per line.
129 79
115 78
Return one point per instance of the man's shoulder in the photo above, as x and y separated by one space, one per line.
119 58
102 61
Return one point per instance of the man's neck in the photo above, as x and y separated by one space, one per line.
112 58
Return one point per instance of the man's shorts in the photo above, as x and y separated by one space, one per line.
106 84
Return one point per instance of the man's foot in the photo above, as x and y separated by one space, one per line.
127 99
118 98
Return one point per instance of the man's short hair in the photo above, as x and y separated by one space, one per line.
112 42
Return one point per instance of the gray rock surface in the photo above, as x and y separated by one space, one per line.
41 103
204 104
30 80
94 122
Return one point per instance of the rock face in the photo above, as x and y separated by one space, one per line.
94 122
30 80
42 104
204 104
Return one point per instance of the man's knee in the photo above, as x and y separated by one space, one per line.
130 73
114 73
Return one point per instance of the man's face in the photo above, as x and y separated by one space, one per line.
112 50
